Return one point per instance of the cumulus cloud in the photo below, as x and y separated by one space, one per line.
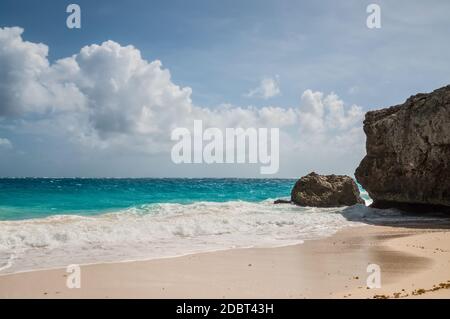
27 82
108 97
107 93
320 113
268 87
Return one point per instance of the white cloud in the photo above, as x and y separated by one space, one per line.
268 87
27 82
4 142
312 112
108 97
319 113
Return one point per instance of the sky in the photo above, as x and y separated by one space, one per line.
102 100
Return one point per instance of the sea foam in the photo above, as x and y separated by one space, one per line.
166 230
159 230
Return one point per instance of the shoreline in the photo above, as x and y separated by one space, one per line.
332 267
146 259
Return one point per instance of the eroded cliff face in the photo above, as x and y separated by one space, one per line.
408 152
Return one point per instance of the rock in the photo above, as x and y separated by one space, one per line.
282 201
326 191
407 164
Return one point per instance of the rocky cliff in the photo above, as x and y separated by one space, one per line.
408 153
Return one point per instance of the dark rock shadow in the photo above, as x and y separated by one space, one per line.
396 218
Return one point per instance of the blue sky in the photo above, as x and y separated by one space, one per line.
223 49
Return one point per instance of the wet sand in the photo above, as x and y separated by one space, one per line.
413 263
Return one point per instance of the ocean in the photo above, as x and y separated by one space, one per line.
48 223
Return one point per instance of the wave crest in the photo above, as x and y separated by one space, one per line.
161 230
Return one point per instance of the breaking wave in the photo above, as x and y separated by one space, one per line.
167 230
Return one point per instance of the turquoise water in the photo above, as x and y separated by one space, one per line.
47 223
43 197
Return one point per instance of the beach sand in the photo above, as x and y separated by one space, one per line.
413 262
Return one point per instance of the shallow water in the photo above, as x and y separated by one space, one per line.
48 223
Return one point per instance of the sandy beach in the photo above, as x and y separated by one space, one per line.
414 263
201 150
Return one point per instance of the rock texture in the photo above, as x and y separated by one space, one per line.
282 201
325 191
408 153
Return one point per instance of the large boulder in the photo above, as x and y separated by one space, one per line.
325 191
408 153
